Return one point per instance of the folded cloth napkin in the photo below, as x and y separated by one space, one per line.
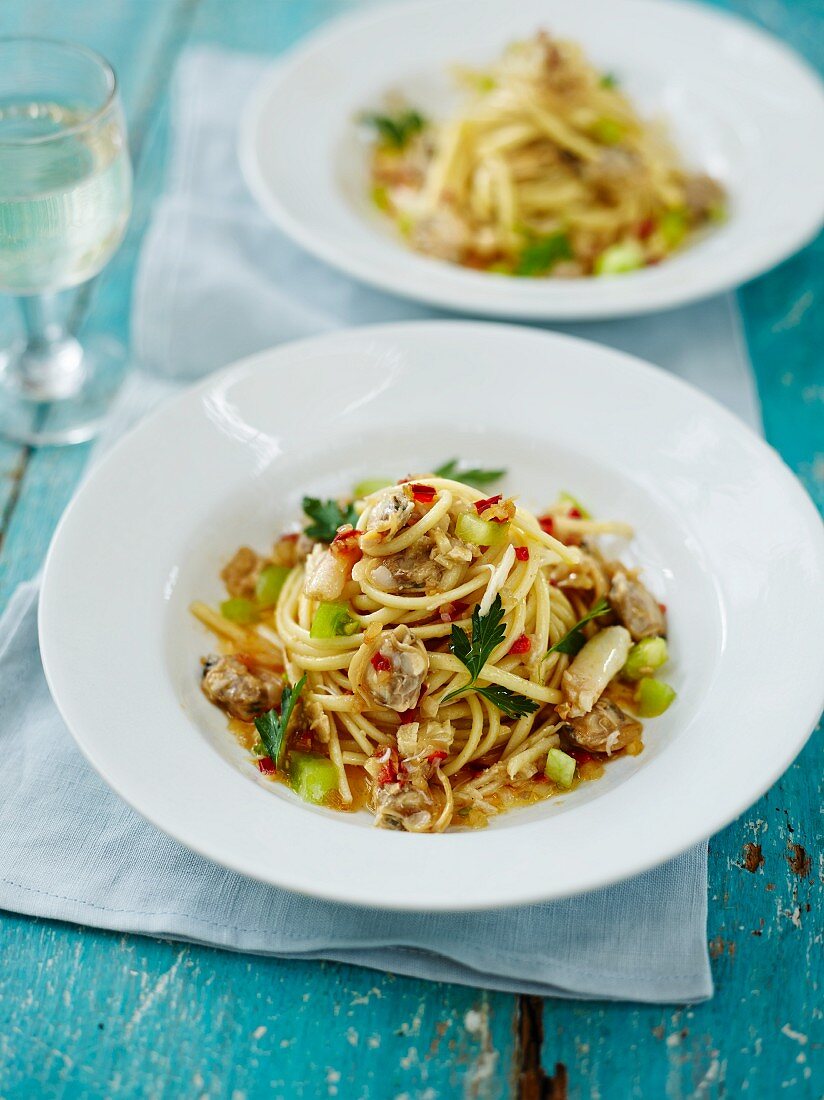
216 281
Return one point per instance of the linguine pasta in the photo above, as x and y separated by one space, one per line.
546 168
446 656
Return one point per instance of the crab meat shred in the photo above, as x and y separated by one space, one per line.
636 607
596 664
498 576
606 728
228 682
398 687
326 574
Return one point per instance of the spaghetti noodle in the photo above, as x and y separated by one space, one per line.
546 169
448 656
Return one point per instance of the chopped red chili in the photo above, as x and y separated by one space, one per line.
547 524
410 715
521 645
663 607
291 537
381 663
387 774
482 505
451 611
522 553
438 755
646 228
580 756
574 513
266 765
247 660
424 494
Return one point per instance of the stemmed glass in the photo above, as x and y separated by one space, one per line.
65 199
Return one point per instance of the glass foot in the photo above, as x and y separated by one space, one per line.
77 410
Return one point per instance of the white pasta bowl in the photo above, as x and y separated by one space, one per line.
738 104
725 535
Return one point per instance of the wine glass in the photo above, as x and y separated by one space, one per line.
65 199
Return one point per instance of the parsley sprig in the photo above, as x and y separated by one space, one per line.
574 638
396 130
272 725
328 516
541 254
473 476
488 631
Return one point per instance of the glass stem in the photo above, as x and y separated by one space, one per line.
49 365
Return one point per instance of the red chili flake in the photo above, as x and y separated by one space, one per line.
381 663
410 715
291 537
574 513
483 549
547 524
266 765
387 774
424 494
437 756
539 777
522 553
452 611
247 660
344 536
521 645
663 607
304 742
646 228
580 756
482 505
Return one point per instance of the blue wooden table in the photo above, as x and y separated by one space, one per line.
86 1013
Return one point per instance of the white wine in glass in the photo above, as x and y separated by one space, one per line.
65 199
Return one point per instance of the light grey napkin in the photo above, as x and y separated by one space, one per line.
216 281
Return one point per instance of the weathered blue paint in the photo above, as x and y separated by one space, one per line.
86 1013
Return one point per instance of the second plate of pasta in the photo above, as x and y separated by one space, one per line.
541 160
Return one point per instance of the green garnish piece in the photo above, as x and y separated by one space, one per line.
673 227
332 620
645 657
380 197
312 777
609 80
717 212
328 516
488 631
654 697
238 610
272 726
608 131
620 258
573 502
271 580
396 130
540 255
573 641
371 485
258 749
477 478
481 532
560 768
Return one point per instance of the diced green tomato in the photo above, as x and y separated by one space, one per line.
573 502
332 620
369 486
645 657
312 777
673 227
238 610
608 131
560 768
654 696
619 258
483 532
271 580
380 197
